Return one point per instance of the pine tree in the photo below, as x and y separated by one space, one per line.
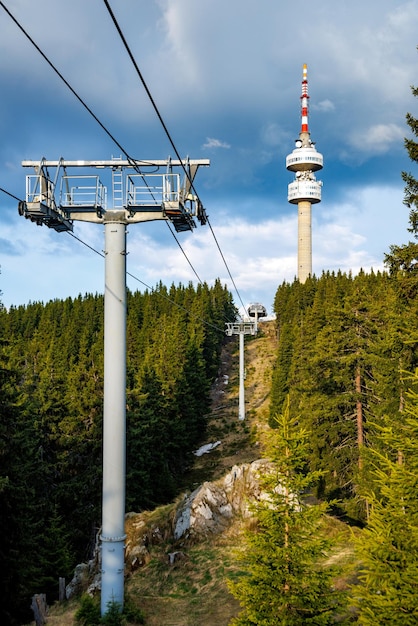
286 581
21 497
280 375
411 189
402 261
388 547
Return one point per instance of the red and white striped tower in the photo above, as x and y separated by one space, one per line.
304 98
305 190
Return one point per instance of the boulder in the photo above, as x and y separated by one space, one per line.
210 508
83 574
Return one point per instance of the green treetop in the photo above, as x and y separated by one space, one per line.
285 580
388 547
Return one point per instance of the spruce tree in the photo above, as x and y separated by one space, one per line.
149 477
21 485
411 188
51 399
388 547
402 261
285 580
280 375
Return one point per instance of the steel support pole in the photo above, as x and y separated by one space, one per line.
256 322
114 412
241 409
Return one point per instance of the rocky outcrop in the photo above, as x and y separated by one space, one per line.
210 509
86 578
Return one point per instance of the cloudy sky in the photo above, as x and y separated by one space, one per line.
226 77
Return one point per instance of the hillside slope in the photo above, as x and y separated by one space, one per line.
240 440
183 582
192 589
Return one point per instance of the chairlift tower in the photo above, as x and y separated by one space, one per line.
137 196
256 310
241 328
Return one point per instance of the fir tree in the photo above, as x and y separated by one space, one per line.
285 580
280 374
21 498
402 261
411 188
388 547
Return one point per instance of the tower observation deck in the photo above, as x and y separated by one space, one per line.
305 190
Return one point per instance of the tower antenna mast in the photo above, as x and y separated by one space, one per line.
305 190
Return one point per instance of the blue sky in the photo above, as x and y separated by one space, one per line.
226 77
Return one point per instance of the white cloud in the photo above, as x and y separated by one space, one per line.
377 139
347 236
357 232
350 235
215 70
272 134
215 143
325 106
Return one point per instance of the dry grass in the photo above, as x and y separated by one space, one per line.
190 592
62 614
194 591
241 440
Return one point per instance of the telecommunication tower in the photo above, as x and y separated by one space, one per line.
305 190
138 196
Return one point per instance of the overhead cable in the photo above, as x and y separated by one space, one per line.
9 194
110 135
138 71
185 255
152 290
226 265
128 50
65 81
129 158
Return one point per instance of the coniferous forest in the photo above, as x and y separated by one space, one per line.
347 345
51 381
345 374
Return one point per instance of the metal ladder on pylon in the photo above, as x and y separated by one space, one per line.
117 184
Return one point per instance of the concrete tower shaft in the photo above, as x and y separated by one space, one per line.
305 190
304 240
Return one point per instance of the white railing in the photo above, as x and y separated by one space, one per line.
39 189
82 192
152 189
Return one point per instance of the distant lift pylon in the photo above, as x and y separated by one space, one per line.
241 328
256 310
